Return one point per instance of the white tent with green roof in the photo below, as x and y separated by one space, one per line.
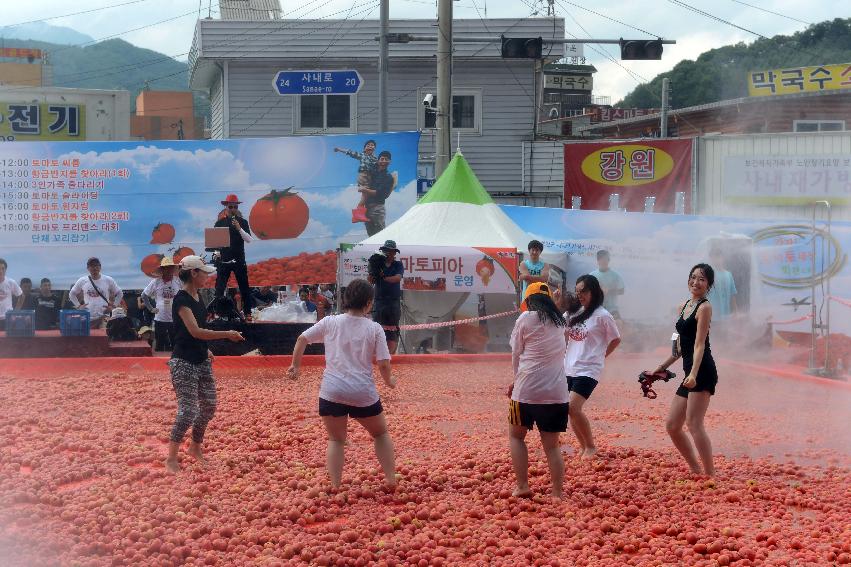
456 211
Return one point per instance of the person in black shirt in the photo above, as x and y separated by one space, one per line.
191 362
47 304
387 308
381 186
26 299
233 257
265 296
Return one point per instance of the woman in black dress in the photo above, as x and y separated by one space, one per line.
692 398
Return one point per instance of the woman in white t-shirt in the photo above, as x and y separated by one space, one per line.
158 296
539 392
97 293
352 342
592 335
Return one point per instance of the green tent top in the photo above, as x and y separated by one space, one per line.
458 184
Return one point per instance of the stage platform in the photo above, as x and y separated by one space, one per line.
50 344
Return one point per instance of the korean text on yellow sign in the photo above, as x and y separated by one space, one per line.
799 80
23 122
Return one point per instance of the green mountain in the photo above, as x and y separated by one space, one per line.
115 64
721 74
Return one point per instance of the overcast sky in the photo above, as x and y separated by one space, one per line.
694 33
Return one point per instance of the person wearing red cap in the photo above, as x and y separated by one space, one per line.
233 257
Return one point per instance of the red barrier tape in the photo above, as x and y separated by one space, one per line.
442 324
790 321
841 301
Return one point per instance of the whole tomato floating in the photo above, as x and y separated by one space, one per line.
163 233
181 253
151 264
279 214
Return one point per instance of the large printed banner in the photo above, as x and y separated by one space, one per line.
130 203
799 79
770 262
633 169
787 180
442 268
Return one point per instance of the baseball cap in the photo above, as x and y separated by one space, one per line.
532 289
196 263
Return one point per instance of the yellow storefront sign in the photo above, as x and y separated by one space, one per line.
48 122
799 80
627 165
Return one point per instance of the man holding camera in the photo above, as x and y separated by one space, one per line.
387 308
232 258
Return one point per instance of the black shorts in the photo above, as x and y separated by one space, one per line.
333 409
551 418
582 385
388 313
707 379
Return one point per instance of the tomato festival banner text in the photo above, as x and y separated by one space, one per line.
442 268
131 203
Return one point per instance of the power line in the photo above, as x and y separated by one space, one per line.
73 14
767 11
714 17
610 18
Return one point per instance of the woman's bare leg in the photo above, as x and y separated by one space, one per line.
674 425
519 458
336 428
376 426
698 403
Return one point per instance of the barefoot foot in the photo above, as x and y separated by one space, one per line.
172 466
589 453
522 492
196 453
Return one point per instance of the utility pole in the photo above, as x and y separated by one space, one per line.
663 127
444 86
383 66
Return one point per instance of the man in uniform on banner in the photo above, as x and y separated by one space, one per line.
233 257
97 293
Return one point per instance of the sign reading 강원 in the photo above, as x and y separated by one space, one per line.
799 80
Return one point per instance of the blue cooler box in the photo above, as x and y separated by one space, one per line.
74 322
20 323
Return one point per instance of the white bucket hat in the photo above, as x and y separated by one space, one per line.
196 263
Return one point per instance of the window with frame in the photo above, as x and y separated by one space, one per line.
818 126
325 112
466 111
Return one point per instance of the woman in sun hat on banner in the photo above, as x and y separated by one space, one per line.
191 362
539 392
158 296
233 257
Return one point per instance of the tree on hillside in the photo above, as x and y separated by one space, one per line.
721 73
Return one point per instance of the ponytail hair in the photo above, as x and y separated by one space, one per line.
546 309
592 284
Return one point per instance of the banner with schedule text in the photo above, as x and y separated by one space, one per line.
131 203
632 169
441 268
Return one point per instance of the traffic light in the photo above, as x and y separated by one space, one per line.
640 49
522 47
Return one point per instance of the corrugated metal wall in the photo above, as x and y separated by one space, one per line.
216 110
711 153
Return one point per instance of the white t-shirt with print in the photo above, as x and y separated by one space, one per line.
95 304
9 289
351 345
163 293
540 347
587 344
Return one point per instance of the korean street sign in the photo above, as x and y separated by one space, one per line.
799 79
568 82
318 82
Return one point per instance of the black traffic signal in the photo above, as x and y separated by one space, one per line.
641 49
522 47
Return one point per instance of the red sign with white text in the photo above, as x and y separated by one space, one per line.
633 169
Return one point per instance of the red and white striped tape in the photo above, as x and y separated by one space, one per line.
841 301
442 324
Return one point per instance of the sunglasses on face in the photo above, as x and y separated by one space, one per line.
233 206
